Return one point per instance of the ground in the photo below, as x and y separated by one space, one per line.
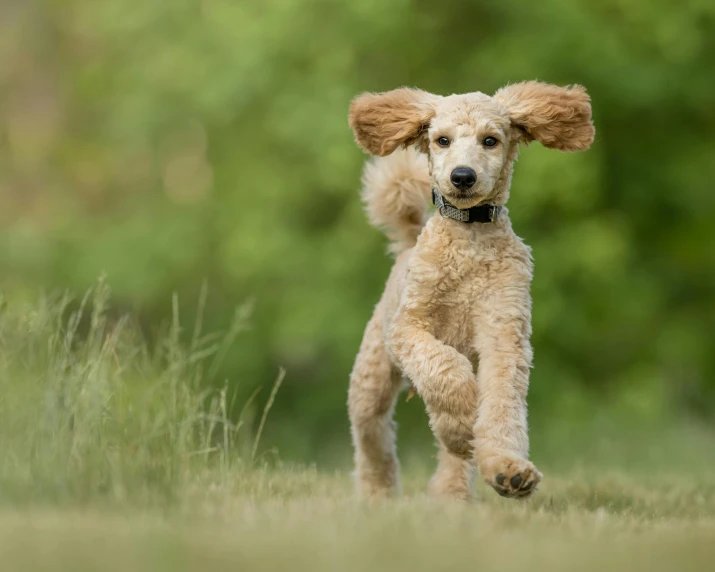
301 520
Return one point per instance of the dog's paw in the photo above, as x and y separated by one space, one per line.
510 476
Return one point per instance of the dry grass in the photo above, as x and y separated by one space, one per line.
301 520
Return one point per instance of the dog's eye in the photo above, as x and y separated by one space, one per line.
489 142
443 142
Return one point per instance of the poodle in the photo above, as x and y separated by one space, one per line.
455 316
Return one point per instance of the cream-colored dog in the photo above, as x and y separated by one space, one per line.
455 317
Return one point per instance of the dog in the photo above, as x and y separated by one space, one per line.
455 316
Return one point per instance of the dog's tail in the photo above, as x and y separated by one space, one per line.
396 192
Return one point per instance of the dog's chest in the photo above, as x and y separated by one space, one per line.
468 270
453 317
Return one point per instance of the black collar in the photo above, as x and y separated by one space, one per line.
482 213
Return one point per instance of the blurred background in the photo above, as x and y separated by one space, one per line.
170 145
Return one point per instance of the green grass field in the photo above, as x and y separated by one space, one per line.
300 520
114 458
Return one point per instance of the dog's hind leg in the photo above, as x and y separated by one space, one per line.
453 478
374 385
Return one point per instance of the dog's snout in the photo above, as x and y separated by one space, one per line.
463 178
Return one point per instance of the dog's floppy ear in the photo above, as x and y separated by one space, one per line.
384 121
557 117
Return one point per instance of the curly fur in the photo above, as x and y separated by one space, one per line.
557 117
455 316
383 122
397 194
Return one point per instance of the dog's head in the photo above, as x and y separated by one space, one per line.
472 139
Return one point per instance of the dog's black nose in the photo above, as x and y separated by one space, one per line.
463 178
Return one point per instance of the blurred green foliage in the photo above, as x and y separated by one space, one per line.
172 143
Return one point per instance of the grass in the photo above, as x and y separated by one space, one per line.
114 456
89 411
301 520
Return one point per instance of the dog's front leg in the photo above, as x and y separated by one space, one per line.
501 435
443 377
